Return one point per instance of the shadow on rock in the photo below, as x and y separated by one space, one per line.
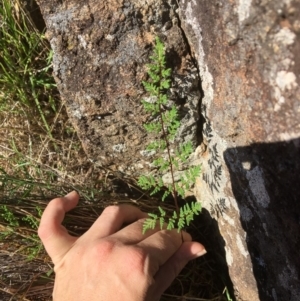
265 180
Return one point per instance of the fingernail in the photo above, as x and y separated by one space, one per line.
201 253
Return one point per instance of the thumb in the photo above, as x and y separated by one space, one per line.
170 270
54 236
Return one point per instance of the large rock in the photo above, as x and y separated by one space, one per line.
100 54
248 64
247 129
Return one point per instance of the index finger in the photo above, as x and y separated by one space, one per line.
112 220
54 236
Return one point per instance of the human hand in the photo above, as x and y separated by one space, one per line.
109 262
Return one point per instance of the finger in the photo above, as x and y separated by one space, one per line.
113 218
171 269
161 246
133 233
54 236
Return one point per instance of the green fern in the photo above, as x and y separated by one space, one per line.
164 125
149 223
187 214
172 221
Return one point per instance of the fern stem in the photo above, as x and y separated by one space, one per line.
165 130
168 146
169 158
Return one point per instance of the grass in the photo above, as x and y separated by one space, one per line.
25 63
41 158
40 155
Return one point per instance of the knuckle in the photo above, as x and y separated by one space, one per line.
43 232
104 248
136 259
56 205
171 237
57 202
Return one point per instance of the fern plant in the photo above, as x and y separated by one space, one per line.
163 124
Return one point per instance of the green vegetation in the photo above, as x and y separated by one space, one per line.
40 156
32 243
164 123
25 61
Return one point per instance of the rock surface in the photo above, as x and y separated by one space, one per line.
243 115
249 67
100 56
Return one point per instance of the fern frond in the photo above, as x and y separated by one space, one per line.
155 190
160 182
175 162
164 84
162 211
163 99
192 173
166 73
166 193
151 88
172 221
165 127
149 107
184 151
180 223
153 127
146 182
196 207
162 217
158 144
150 223
162 164
187 214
